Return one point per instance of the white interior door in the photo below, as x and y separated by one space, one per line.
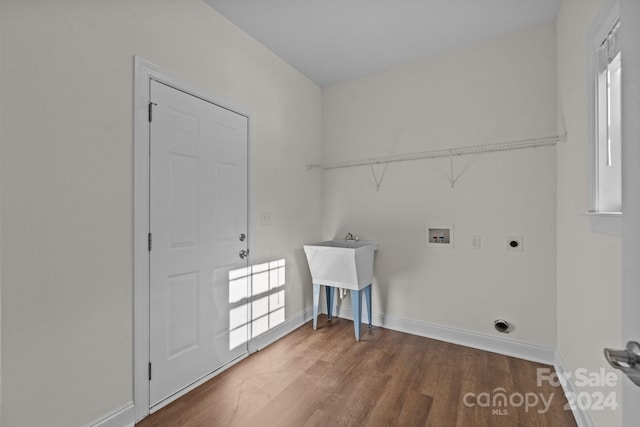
198 226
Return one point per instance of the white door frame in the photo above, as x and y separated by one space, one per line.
630 29
144 71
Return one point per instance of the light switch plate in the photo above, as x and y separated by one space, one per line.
265 218
474 243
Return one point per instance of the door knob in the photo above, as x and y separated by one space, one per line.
244 253
627 360
242 237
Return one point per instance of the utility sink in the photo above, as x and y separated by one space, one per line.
346 264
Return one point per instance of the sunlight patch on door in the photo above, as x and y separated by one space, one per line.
257 298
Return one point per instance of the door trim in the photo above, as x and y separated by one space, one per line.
144 72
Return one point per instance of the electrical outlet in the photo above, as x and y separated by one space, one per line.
475 242
515 244
265 218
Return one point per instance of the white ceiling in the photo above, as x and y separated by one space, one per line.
335 40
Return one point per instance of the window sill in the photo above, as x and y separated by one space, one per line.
606 222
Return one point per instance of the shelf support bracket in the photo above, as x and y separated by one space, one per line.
375 178
452 179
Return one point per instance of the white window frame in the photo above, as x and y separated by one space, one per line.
601 222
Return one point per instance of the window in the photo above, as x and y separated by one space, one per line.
608 132
606 123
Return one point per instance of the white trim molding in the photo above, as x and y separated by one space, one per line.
143 72
582 417
123 417
601 222
508 347
606 222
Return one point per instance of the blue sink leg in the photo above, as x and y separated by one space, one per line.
367 293
316 301
329 290
356 301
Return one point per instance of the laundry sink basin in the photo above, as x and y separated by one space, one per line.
346 264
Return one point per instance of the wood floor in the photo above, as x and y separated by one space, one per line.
326 378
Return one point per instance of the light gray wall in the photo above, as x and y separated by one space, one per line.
67 184
496 91
589 264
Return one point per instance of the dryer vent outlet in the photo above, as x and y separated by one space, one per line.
502 326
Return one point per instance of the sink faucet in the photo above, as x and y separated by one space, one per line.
351 237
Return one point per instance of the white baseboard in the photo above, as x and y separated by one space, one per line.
583 418
123 417
285 328
477 340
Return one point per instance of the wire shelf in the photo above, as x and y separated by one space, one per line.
447 152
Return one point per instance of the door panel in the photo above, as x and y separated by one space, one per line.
198 209
182 314
183 176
